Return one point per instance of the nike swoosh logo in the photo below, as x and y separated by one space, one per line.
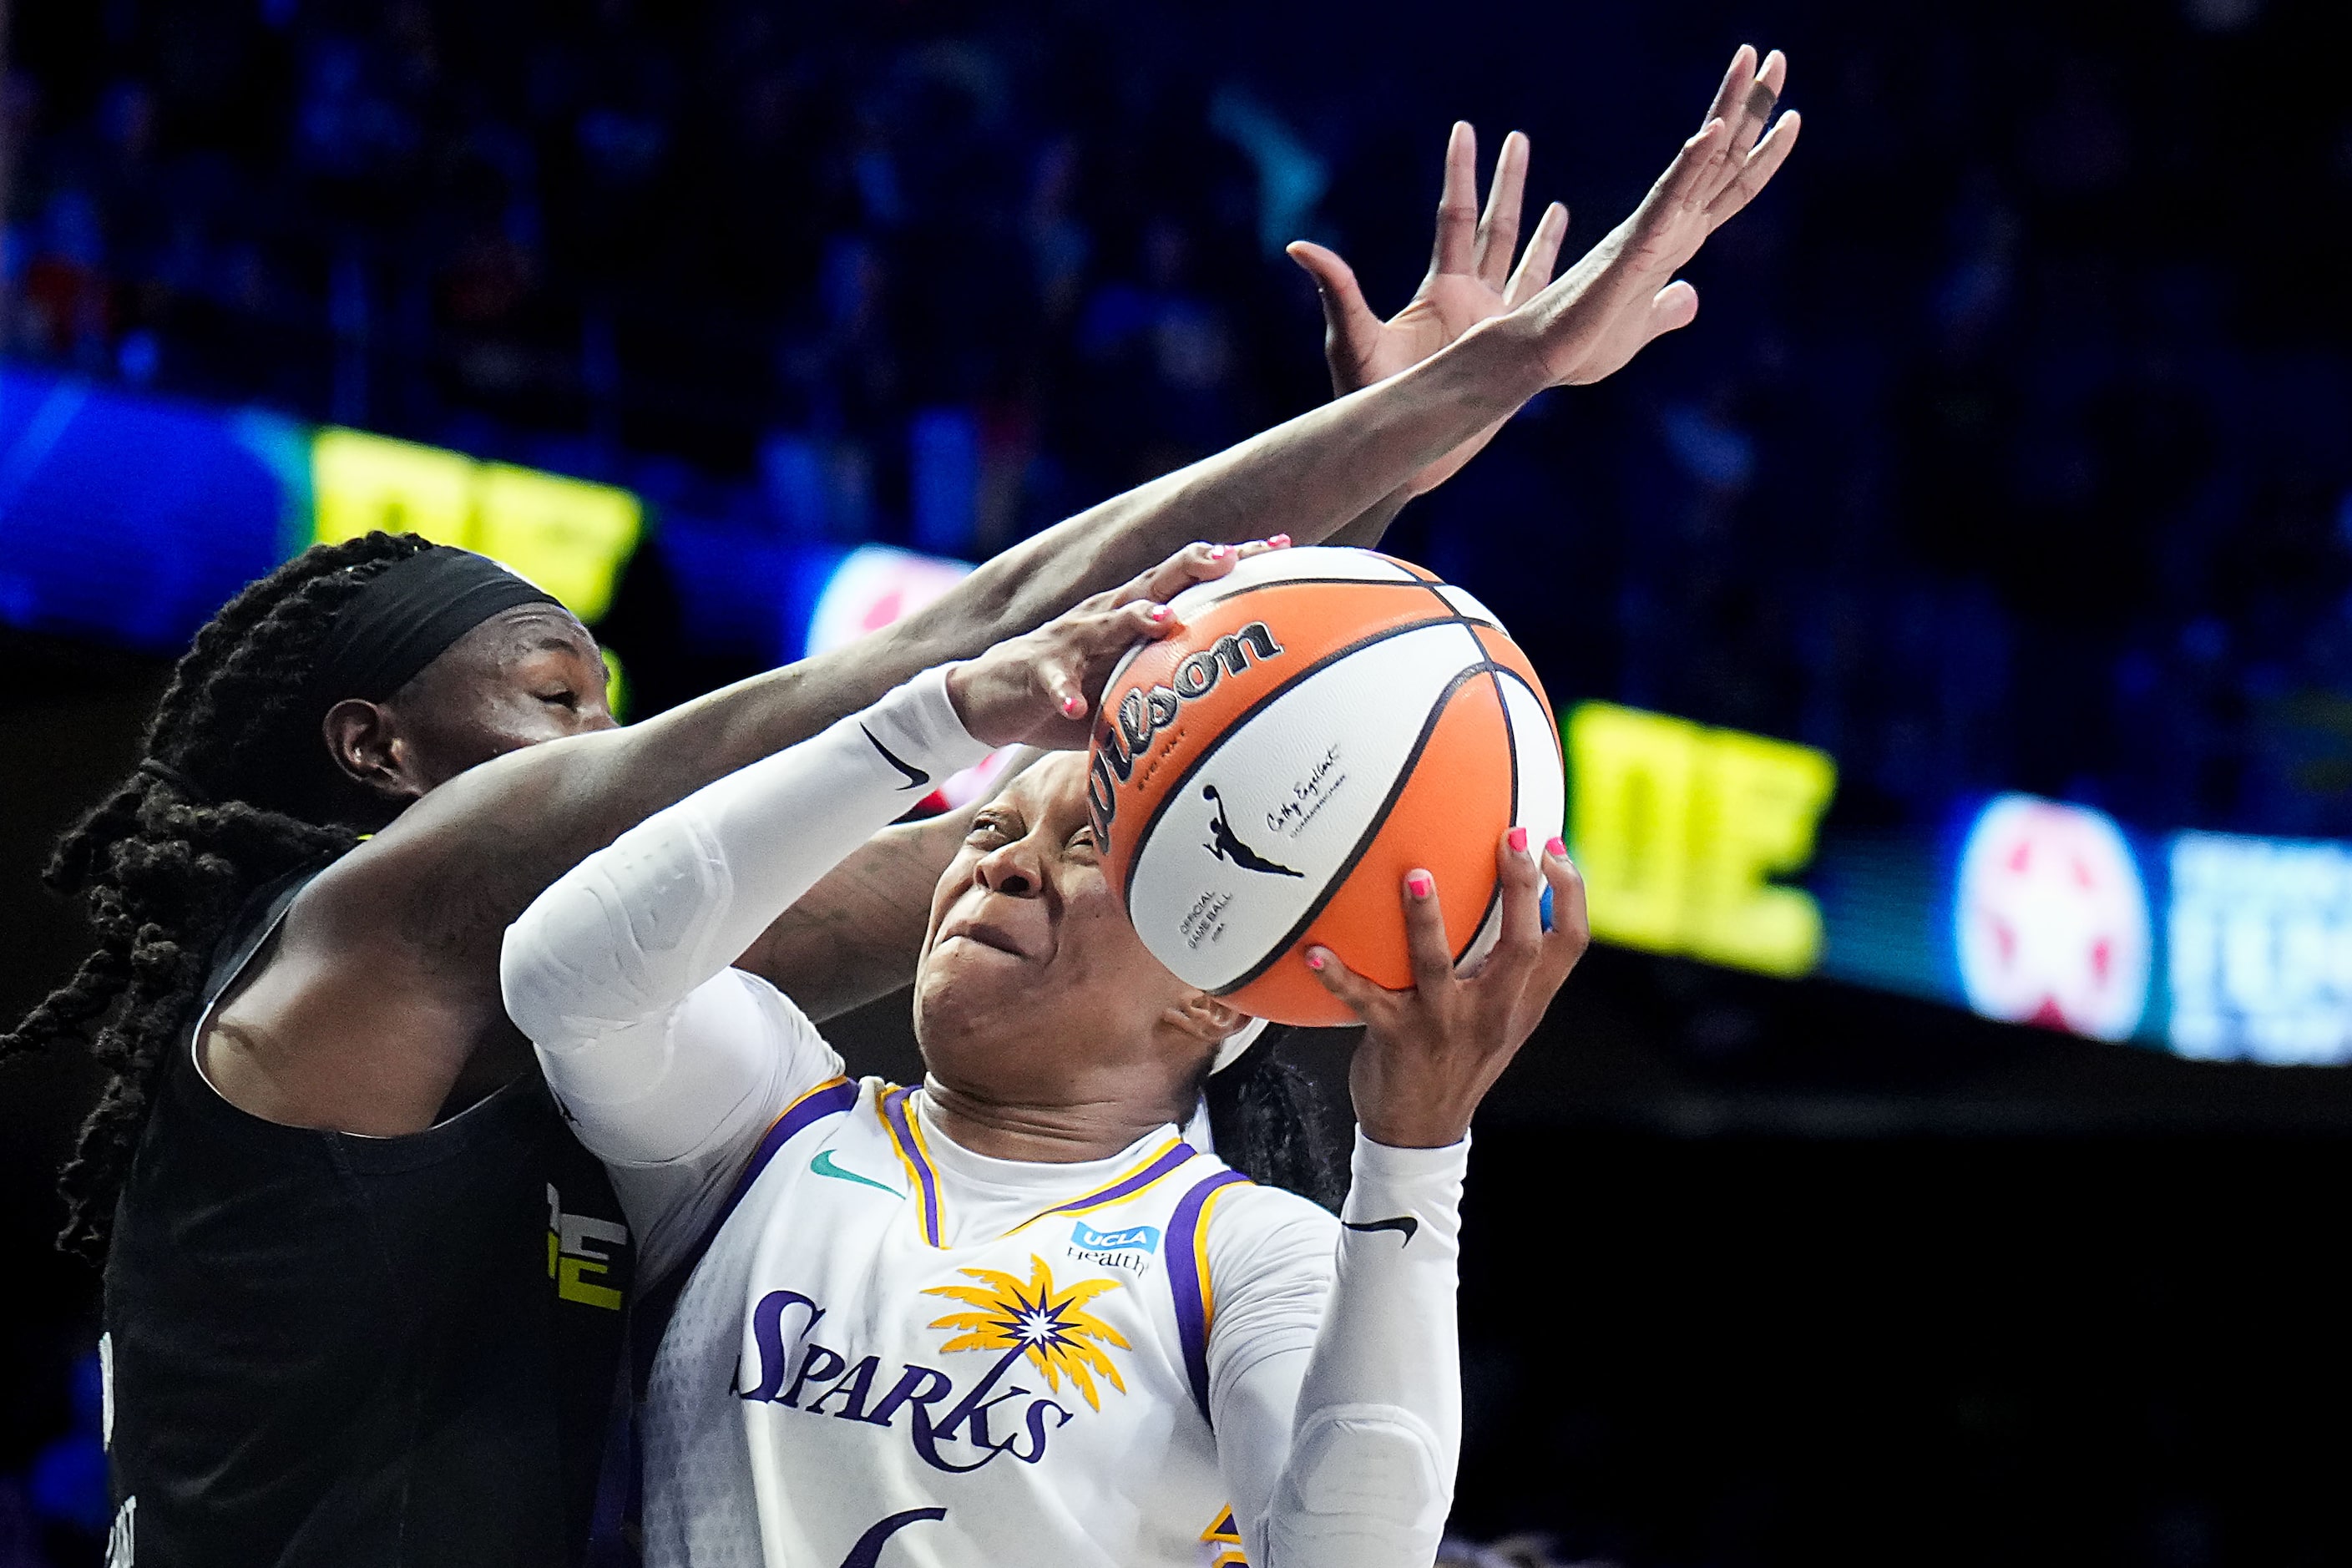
1405 1224
823 1166
916 777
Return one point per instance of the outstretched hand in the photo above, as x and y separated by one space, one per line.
1041 688
1470 279
1623 293
1430 1052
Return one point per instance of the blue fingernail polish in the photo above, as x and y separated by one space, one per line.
1545 906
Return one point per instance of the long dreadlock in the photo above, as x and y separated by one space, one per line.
1267 1118
236 788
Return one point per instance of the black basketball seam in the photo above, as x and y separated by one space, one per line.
1151 824
1322 580
1438 590
1451 614
1244 592
1287 582
1347 867
1177 790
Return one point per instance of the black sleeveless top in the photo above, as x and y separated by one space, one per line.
362 1352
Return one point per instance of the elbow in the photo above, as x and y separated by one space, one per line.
1367 1485
524 985
540 979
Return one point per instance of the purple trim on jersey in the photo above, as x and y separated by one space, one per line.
1188 1278
1175 1157
651 1315
902 1132
826 1099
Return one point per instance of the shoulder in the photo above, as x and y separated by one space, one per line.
1260 1274
736 1014
781 1013
1249 1231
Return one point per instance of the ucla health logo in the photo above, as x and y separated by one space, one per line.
1129 1249
1135 1239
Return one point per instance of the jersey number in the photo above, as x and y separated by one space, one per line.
869 1549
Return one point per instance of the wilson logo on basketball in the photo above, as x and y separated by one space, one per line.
1320 721
1143 714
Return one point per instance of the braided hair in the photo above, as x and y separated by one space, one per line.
1269 1120
235 790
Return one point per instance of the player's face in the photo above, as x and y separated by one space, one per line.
526 675
1033 978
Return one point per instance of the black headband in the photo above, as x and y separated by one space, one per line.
404 618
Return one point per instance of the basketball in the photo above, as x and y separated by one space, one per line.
1324 721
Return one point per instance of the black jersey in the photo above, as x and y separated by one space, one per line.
358 1352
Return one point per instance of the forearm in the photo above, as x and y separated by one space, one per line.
1364 530
630 931
852 938
1335 467
458 865
1361 1473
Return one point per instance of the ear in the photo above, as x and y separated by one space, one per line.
1206 1018
366 740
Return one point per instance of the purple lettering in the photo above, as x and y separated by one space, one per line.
813 1370
852 1389
970 1410
768 1336
919 1386
1038 1431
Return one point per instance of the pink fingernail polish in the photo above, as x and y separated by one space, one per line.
1219 552
1557 848
1518 840
1280 540
1420 885
1160 612
1315 961
1073 706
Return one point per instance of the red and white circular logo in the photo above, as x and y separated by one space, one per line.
2052 920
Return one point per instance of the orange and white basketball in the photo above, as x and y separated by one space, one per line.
1325 721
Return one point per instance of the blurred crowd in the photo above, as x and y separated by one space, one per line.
2010 449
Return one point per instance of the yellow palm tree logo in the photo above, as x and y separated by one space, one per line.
1051 1327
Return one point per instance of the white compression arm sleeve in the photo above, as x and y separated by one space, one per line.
1343 1454
607 969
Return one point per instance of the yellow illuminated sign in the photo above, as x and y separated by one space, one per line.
569 536
1679 831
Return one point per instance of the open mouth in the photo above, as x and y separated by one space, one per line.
985 935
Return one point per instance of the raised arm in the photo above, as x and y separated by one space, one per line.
610 970
851 940
1340 1448
1472 277
404 931
619 972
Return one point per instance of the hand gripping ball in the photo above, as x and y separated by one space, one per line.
1324 721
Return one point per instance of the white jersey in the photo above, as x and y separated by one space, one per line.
1006 1372
887 1350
